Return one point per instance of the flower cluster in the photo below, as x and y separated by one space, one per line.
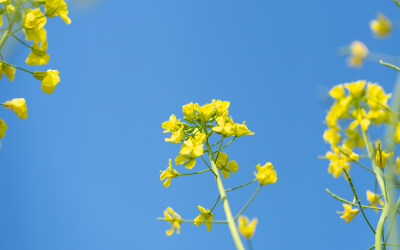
29 16
203 131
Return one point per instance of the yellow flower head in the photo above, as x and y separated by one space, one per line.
221 107
266 174
356 89
226 166
18 105
174 219
177 136
332 136
38 55
381 156
36 36
241 129
171 125
358 52
168 173
205 216
337 92
381 26
374 200
245 228
35 19
349 213
9 71
57 8
204 112
191 148
188 111
225 126
3 127
49 79
361 119
376 96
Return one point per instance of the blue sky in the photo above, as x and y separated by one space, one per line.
82 172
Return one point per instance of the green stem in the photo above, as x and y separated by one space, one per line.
378 175
206 170
191 221
231 189
227 144
9 64
248 203
224 199
350 203
358 200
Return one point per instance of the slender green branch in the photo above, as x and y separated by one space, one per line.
390 65
206 170
231 189
350 203
227 144
215 204
220 148
358 200
397 2
16 67
191 221
205 162
248 203
22 42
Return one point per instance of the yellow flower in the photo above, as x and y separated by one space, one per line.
332 136
225 126
358 52
398 165
205 112
221 107
354 139
3 127
397 133
9 71
176 137
188 111
205 216
171 125
374 200
241 129
191 148
185 160
381 26
174 219
376 97
168 173
57 8
245 228
349 213
337 162
36 36
38 55
49 79
226 166
18 105
337 92
356 89
381 157
10 8
266 174
361 119
35 19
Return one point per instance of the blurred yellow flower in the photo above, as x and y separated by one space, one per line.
205 216
381 158
57 8
381 26
35 19
245 228
19 107
9 71
358 52
36 36
3 127
174 219
374 200
38 55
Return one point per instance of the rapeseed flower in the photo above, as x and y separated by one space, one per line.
226 166
174 219
205 216
225 126
349 213
19 107
49 79
266 174
374 200
188 111
381 157
3 127
241 129
247 228
9 71
57 8
35 19
168 173
204 112
38 55
221 107
381 26
36 36
358 52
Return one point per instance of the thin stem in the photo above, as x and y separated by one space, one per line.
248 203
19 40
231 189
350 203
358 163
215 204
191 221
224 199
358 200
16 67
205 162
206 170
227 144
219 150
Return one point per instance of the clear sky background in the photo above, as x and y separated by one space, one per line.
82 172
